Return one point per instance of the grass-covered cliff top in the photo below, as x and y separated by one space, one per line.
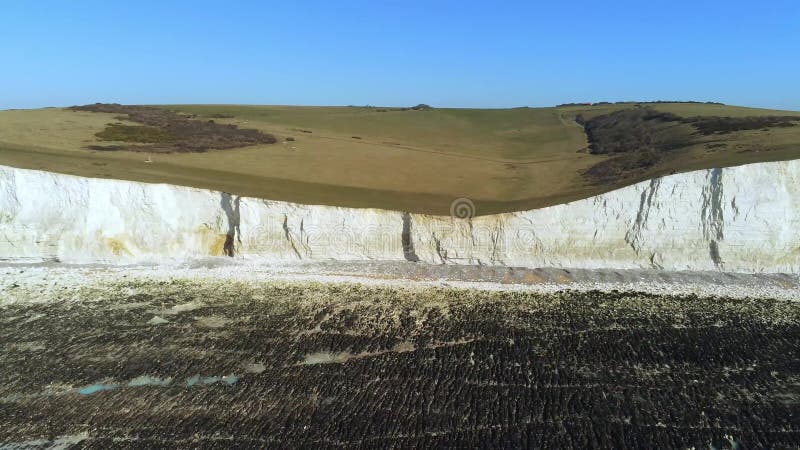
414 159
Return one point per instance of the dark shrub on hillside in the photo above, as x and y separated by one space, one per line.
134 133
722 125
621 166
636 138
628 130
640 137
168 131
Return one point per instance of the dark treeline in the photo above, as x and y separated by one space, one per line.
639 138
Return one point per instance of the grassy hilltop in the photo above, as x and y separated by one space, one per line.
416 160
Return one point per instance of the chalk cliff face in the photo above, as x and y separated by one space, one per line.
72 219
743 219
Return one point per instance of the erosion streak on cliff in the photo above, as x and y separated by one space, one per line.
231 208
740 219
713 220
288 234
408 244
634 235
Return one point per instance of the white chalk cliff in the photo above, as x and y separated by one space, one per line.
740 219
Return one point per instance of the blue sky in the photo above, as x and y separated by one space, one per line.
444 53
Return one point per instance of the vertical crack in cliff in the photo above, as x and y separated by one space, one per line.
287 233
231 208
497 235
442 253
634 236
712 218
471 231
10 242
305 240
734 207
654 261
472 259
406 237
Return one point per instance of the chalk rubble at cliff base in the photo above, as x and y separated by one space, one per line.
737 219
50 282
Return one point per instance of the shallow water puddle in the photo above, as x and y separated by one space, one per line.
326 358
230 380
97 387
147 380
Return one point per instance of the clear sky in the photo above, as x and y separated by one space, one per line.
444 53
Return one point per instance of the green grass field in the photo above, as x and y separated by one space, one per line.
418 161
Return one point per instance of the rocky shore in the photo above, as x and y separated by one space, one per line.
343 357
